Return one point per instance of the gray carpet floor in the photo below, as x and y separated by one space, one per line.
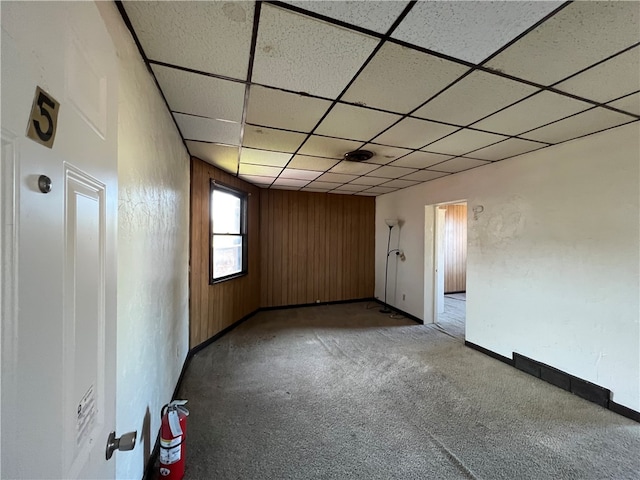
343 391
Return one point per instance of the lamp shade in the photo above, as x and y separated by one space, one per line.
391 222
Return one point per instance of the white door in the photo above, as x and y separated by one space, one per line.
59 298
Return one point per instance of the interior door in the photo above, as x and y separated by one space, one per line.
59 317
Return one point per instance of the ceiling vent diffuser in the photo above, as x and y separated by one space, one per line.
358 155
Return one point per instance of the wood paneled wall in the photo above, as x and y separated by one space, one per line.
455 248
215 307
315 246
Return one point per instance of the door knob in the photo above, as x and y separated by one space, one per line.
124 443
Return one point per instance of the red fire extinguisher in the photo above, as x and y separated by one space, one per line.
173 433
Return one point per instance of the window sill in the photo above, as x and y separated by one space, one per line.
227 278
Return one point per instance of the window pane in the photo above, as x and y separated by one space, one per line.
227 255
225 211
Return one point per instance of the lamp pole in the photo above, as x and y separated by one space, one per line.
386 309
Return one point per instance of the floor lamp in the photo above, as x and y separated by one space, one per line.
390 223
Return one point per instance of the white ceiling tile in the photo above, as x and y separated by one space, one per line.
392 172
611 79
459 164
351 187
273 108
371 181
284 187
353 168
411 76
414 133
400 183
222 156
464 141
372 15
356 123
208 129
307 55
424 175
582 124
505 149
213 37
420 160
307 175
380 190
248 169
264 157
367 194
328 147
290 182
630 103
580 35
270 139
336 177
341 192
324 185
201 95
470 31
384 154
474 97
316 190
258 180
533 112
305 162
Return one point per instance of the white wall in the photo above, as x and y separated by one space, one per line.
153 251
553 261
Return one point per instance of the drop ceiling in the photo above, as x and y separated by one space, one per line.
277 92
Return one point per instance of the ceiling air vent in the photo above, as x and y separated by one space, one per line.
358 155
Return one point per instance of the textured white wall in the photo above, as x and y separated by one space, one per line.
153 251
553 261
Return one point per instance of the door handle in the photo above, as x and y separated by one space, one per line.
124 443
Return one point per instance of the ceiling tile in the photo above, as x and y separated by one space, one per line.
315 190
222 156
424 175
392 172
367 194
208 130
213 37
290 182
366 180
356 123
328 147
201 95
270 139
474 97
402 183
380 190
533 112
580 35
630 103
611 79
341 192
372 15
351 187
582 124
420 160
336 177
323 185
307 175
412 76
258 180
508 148
414 133
290 55
384 154
353 168
464 141
284 187
459 164
470 31
248 169
273 108
264 157
305 162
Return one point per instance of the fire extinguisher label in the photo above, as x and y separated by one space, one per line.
170 450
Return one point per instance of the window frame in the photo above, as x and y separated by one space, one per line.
243 196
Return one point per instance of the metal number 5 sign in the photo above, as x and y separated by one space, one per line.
43 119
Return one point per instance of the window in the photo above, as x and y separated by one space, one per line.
228 233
